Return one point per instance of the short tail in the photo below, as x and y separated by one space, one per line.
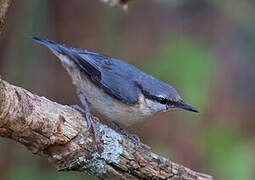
49 44
61 49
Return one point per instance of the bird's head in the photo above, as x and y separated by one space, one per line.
170 103
162 97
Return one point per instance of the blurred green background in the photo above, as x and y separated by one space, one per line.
205 49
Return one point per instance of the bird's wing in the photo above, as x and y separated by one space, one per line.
111 75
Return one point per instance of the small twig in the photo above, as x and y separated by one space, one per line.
4 5
61 133
119 3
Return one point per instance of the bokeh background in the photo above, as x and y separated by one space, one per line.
205 49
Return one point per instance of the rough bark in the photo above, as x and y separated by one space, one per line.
61 133
4 4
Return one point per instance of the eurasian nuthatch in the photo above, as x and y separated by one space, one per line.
116 90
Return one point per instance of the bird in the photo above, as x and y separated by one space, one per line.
115 90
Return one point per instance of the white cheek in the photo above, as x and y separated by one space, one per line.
154 107
64 59
169 109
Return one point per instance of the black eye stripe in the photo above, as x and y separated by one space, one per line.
162 101
156 98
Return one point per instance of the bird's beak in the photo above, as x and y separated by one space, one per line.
186 107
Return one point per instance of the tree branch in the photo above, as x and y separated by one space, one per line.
4 5
61 133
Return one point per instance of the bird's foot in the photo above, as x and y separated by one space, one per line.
134 138
91 120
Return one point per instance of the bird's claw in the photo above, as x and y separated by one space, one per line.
90 120
134 138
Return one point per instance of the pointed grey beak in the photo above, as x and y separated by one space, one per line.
186 107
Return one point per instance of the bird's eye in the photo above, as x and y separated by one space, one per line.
162 101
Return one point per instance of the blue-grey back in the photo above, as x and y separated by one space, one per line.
117 78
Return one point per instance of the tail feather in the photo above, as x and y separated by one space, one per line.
49 44
87 66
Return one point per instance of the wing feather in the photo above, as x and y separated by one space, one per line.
113 76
